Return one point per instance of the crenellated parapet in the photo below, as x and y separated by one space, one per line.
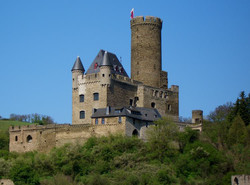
146 20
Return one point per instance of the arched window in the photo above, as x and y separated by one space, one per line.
135 133
82 114
157 93
153 104
29 139
16 138
169 107
81 97
96 96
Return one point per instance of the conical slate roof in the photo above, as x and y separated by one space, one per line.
105 60
111 60
78 65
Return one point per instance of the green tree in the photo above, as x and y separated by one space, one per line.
162 138
188 136
241 107
237 132
23 172
220 113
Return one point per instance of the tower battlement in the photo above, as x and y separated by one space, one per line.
146 20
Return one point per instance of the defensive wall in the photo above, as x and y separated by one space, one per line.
44 138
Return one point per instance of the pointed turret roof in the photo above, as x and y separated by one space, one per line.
78 65
105 60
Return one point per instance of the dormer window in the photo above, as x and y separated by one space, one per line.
95 66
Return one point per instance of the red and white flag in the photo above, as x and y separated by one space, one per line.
132 13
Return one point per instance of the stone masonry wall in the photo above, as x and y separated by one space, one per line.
88 85
44 138
146 50
120 93
165 101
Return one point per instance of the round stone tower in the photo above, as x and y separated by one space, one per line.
197 116
146 50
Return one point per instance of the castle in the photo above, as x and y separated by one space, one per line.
106 101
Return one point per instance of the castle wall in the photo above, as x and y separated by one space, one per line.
165 101
120 93
32 137
44 138
139 125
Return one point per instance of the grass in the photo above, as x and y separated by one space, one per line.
5 124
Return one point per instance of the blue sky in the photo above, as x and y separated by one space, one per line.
205 49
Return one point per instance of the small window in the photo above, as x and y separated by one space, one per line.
153 104
119 119
169 107
16 138
29 139
81 98
95 66
117 111
147 124
157 93
130 102
96 121
103 75
82 114
96 96
103 120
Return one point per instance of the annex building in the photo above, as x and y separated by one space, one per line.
105 100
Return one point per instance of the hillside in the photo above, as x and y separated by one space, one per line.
5 124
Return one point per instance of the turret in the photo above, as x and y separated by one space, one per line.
76 70
197 116
146 50
105 70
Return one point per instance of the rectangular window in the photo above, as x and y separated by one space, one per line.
81 98
130 102
96 96
119 119
96 121
103 121
82 114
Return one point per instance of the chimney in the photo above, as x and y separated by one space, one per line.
108 110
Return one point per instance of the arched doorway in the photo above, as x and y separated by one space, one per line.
135 133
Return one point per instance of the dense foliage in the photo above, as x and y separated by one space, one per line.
169 157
